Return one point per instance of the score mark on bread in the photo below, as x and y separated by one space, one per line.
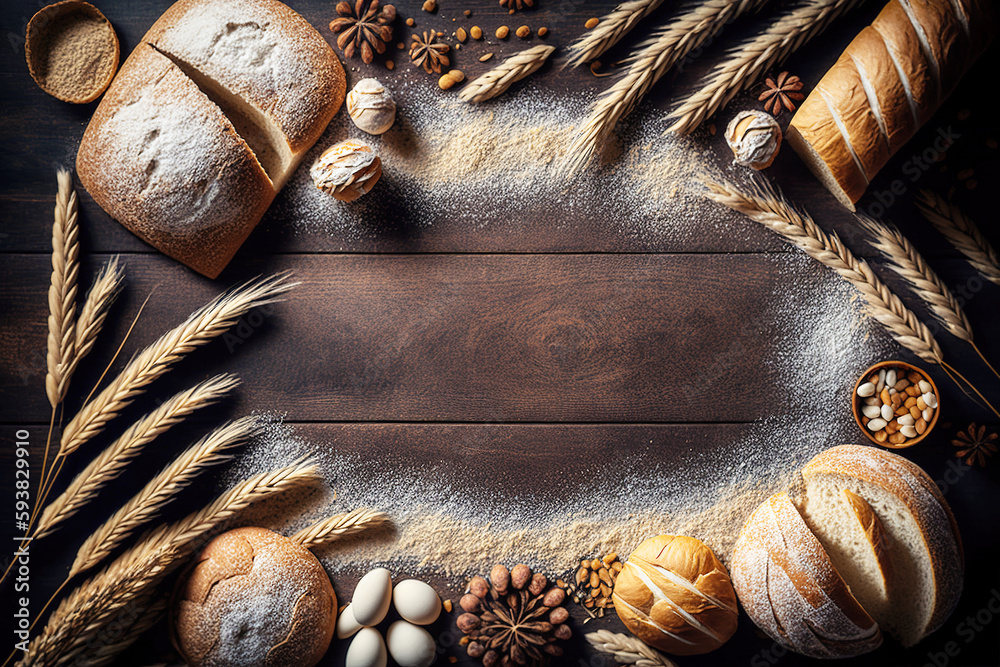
209 74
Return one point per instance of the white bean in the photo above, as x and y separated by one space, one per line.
908 431
930 399
871 411
925 386
886 411
906 420
890 377
873 400
876 425
927 414
866 389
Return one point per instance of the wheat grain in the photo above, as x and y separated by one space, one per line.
110 463
613 26
910 265
336 527
62 290
95 308
745 64
771 209
961 232
106 595
210 450
203 325
654 58
628 650
501 77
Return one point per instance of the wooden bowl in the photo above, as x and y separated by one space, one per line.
72 51
857 401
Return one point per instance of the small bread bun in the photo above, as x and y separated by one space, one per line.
675 595
253 597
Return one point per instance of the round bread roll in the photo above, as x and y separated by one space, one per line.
791 590
254 598
675 595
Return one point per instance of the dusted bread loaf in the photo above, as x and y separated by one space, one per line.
675 595
206 121
887 83
870 544
254 597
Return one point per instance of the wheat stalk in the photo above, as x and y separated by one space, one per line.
102 294
910 265
336 527
771 209
110 463
746 63
105 596
646 66
203 325
62 290
147 613
501 77
209 451
628 650
961 232
610 30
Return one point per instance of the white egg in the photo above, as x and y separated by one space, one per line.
372 597
410 645
416 602
347 625
366 650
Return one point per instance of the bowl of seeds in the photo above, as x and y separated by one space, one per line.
895 404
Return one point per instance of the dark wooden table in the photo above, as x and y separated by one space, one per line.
359 294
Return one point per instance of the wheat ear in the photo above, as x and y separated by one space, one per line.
769 207
748 62
961 232
108 595
340 526
910 265
209 451
501 77
62 290
148 612
110 463
203 325
628 650
95 308
646 66
610 30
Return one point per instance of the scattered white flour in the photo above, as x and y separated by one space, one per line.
446 523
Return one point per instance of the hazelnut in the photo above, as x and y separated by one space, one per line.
467 623
371 107
347 170
538 584
554 597
520 576
755 138
500 578
479 587
469 602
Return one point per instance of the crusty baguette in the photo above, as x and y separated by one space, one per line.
855 119
165 161
925 546
206 121
792 591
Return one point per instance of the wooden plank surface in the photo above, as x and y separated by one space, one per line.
551 332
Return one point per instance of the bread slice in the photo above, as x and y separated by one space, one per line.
262 63
791 589
921 536
159 156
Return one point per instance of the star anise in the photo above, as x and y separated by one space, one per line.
427 52
365 27
778 94
516 4
513 619
975 445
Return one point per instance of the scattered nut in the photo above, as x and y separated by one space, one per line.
461 35
389 65
447 606
446 82
502 32
430 5
543 31
476 32
458 75
410 22
523 32
591 23
486 56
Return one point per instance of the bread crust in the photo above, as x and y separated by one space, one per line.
253 597
164 161
790 589
265 53
871 58
921 496
675 595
